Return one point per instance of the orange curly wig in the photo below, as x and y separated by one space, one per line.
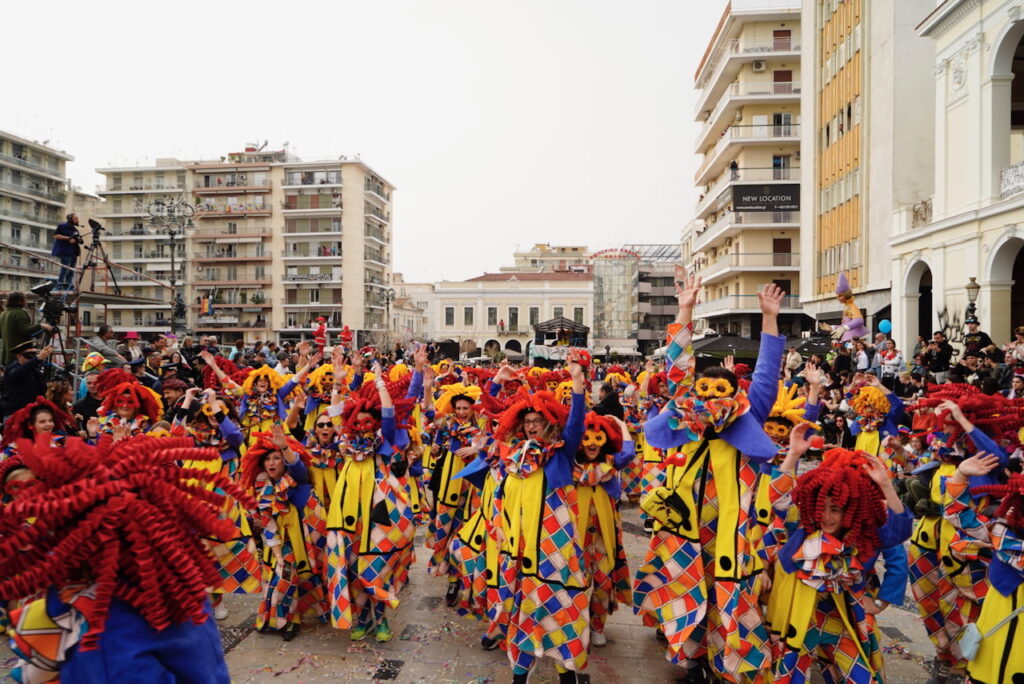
114 383
19 425
252 462
544 403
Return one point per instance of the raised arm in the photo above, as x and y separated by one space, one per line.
679 360
387 408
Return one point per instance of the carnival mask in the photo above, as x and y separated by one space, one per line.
778 430
365 425
126 400
714 388
15 488
594 438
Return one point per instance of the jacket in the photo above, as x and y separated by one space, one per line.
15 327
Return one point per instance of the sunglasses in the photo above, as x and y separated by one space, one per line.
324 425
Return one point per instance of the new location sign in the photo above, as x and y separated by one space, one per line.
784 197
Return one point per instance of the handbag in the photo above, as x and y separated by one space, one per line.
971 638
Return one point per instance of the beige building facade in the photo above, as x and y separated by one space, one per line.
746 228
973 227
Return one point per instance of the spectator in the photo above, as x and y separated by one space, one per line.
1016 347
875 352
282 366
238 352
130 349
189 349
843 361
101 342
138 369
1016 390
87 406
793 360
891 363
861 361
937 357
24 378
608 404
172 391
975 340
16 327
67 247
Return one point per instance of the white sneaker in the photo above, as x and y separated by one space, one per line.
220 611
598 639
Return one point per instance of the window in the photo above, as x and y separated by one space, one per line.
232 227
513 318
449 316
534 315
260 273
467 317
314 296
577 314
492 315
559 312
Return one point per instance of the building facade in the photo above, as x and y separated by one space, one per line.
747 223
867 128
971 228
33 194
545 257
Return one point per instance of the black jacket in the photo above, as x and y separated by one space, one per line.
22 384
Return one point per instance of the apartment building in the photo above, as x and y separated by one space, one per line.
545 257
747 221
868 131
33 179
965 241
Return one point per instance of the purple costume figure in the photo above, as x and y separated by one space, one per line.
852 327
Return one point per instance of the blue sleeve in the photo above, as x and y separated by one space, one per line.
764 386
985 443
416 469
896 529
493 388
895 413
387 424
286 389
429 416
298 471
415 386
572 435
357 382
627 454
311 405
894 583
811 412
229 431
854 427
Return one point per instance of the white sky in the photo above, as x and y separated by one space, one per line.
501 123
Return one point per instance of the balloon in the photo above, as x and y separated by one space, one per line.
885 326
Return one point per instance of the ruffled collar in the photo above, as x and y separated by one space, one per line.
696 416
826 564
593 473
529 456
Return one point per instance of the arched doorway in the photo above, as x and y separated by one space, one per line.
920 309
1007 111
1006 285
514 345
925 305
492 347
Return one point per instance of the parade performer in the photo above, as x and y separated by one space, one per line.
999 542
632 473
129 408
370 522
818 609
605 449
41 417
116 545
543 588
696 580
276 469
653 396
878 412
852 327
320 335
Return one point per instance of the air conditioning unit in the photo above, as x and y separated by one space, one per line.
759 66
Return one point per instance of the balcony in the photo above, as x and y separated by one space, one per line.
32 166
145 187
213 234
713 198
376 215
32 218
55 196
313 277
212 209
375 234
738 95
741 304
744 134
231 279
747 262
733 223
225 256
1011 180
319 179
231 187
726 61
219 319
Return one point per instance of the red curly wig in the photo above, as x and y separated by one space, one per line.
609 427
367 400
658 384
1011 507
126 518
114 383
995 415
252 462
544 403
539 381
19 425
841 478
229 368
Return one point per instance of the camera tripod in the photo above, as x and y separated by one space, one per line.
94 250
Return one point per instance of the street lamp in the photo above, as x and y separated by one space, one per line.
173 217
388 296
607 353
973 288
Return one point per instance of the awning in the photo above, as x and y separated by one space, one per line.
623 351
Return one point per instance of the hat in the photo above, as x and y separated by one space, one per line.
137 362
174 383
24 348
971 319
131 335
842 284
93 360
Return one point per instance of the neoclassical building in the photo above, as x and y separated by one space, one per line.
974 225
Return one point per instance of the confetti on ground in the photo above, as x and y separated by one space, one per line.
895 649
304 660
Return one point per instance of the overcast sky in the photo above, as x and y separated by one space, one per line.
501 123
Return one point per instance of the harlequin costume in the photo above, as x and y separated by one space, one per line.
120 389
998 542
116 546
703 522
259 411
878 415
370 521
949 589
543 588
326 458
631 474
815 611
599 525
652 469
292 519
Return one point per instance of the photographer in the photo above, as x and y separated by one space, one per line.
24 379
16 327
66 247
937 356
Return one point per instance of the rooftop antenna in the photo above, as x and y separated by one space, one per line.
263 146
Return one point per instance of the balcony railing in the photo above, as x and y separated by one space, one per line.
375 233
209 233
746 48
153 187
212 209
54 195
1011 180
744 260
49 220
751 133
771 90
729 219
312 277
730 303
377 214
745 175
30 165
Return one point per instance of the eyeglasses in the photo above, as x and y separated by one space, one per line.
533 421
324 425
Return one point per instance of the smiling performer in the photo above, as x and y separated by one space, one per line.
697 580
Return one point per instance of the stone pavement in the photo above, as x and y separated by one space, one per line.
433 644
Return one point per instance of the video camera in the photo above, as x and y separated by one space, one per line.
50 306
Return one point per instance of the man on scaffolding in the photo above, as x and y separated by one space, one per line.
66 247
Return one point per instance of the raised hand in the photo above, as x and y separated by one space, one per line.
878 473
421 358
729 363
979 464
687 288
769 298
277 436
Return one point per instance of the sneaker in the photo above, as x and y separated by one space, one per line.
649 525
359 632
220 611
489 643
521 678
452 597
290 632
598 639
567 677
383 631
659 634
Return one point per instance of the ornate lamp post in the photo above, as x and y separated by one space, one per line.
973 288
173 217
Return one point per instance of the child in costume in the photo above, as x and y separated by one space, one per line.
543 587
129 408
276 469
653 396
878 411
116 545
997 541
818 610
370 522
605 449
41 417
697 580
212 423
